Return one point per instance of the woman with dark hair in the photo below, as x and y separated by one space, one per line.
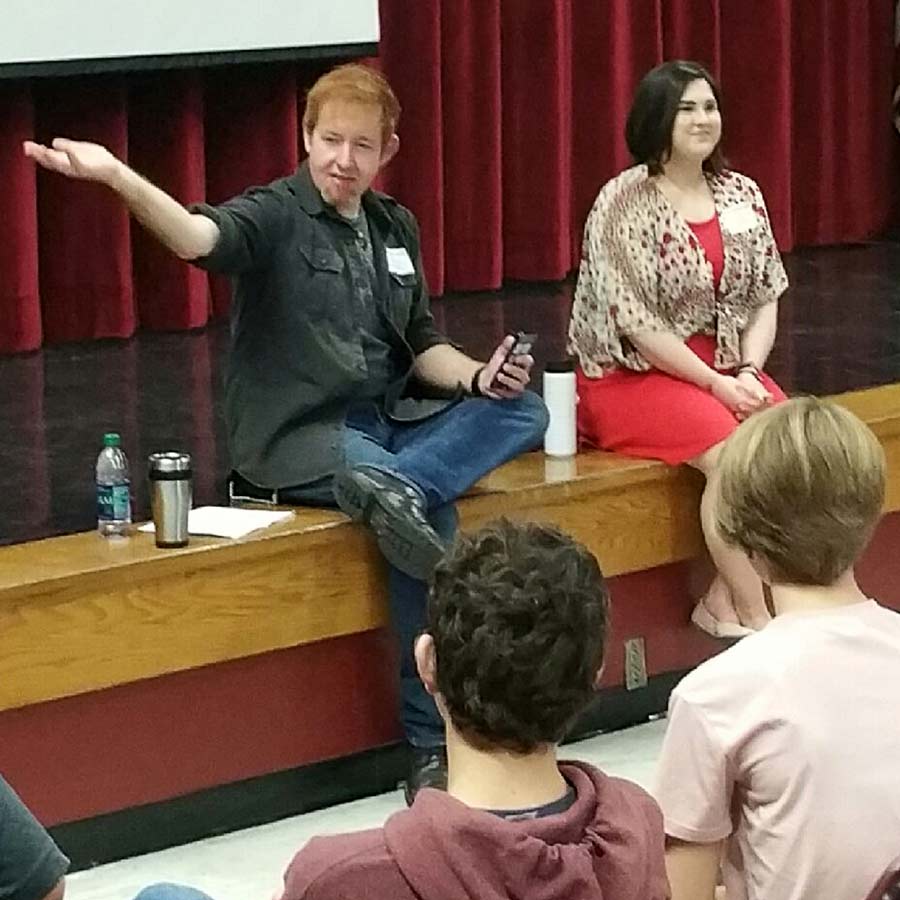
676 309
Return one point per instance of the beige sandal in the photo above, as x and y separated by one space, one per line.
706 621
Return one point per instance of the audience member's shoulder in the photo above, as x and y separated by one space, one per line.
741 669
343 866
755 671
643 807
627 831
618 797
873 623
882 616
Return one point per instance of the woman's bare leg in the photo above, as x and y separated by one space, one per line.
736 593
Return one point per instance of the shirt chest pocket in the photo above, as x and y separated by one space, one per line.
403 291
322 261
323 287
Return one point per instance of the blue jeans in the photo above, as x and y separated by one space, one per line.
443 456
167 891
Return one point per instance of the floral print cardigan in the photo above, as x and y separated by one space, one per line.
643 269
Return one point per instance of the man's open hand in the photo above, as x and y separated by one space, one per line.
75 159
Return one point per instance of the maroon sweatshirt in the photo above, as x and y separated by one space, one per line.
607 846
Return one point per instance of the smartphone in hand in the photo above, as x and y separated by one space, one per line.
522 346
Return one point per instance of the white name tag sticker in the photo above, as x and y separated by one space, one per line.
399 262
738 219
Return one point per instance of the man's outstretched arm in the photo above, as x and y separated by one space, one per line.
189 235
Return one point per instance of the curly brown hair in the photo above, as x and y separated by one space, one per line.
518 615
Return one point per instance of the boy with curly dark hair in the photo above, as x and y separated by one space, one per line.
512 654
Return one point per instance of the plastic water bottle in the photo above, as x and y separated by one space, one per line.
113 488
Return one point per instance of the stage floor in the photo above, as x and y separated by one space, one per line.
839 331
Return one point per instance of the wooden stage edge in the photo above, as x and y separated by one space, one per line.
80 613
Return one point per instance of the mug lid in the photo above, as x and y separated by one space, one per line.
170 461
560 365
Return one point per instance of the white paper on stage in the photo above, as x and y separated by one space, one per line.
228 521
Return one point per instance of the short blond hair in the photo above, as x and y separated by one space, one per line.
354 83
801 486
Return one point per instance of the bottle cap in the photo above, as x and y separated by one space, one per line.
112 439
560 365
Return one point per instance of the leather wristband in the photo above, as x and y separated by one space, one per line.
475 388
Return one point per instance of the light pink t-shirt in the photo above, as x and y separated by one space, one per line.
788 744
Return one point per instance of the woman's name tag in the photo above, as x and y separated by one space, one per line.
737 219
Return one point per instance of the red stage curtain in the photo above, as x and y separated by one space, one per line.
470 140
613 48
849 138
166 144
758 107
20 309
252 137
513 118
419 181
536 139
84 235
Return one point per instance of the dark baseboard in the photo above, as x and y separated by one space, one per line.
228 807
268 798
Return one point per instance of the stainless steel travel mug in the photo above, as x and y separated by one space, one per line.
170 497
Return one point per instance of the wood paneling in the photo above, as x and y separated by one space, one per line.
80 613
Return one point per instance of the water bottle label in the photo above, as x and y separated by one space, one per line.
113 502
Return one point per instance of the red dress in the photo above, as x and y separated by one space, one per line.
654 415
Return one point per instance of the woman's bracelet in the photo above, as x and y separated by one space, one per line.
750 367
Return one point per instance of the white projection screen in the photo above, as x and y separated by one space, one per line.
62 36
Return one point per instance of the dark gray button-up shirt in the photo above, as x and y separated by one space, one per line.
299 342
